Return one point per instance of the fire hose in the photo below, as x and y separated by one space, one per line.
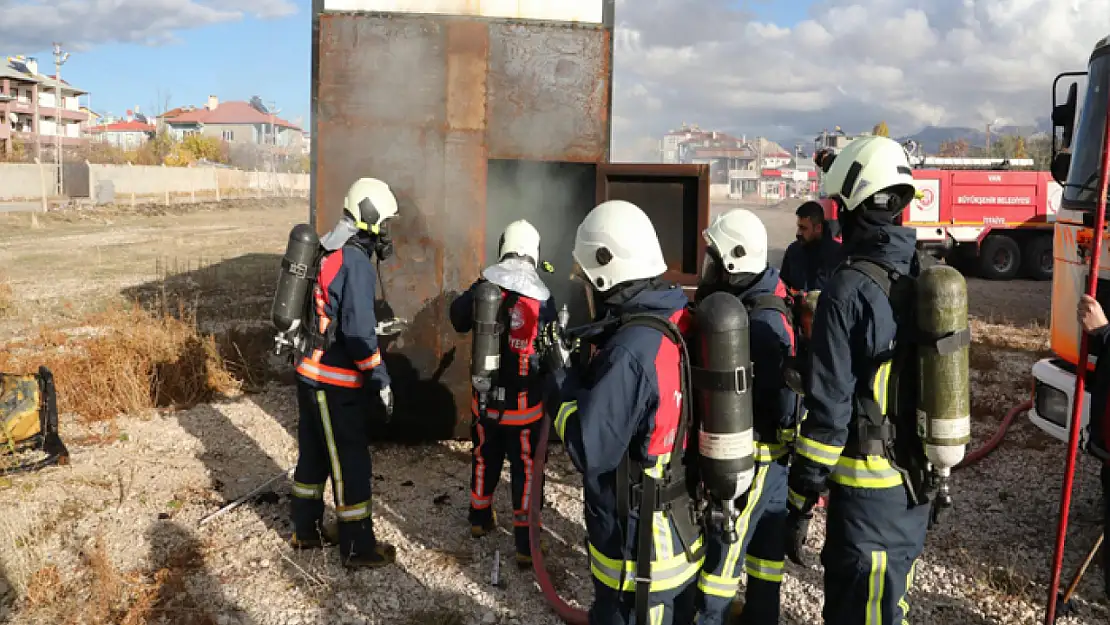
574 616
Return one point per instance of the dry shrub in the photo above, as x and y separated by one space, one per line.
139 361
7 299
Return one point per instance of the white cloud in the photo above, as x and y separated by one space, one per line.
852 63
31 25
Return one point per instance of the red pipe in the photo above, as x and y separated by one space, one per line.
1080 380
569 614
995 440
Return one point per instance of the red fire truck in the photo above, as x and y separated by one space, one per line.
985 217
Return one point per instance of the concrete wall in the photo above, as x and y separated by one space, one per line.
25 182
19 182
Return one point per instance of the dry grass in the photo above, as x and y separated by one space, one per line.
1032 338
7 298
128 360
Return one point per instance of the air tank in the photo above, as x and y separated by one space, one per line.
944 397
722 380
295 279
485 355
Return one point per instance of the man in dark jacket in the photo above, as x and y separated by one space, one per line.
332 430
511 424
620 426
875 530
1093 321
811 259
736 262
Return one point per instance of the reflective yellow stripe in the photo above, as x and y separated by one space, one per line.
769 452
357 512
875 585
869 472
817 451
794 499
902 603
666 574
308 491
656 614
766 570
879 385
787 435
724 585
565 411
660 527
333 452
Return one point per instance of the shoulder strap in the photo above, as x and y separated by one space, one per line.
881 273
768 302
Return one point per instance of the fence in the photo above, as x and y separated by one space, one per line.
145 183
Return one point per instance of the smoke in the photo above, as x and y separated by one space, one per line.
553 197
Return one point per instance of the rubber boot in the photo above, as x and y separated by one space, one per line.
359 549
490 524
322 536
381 555
524 559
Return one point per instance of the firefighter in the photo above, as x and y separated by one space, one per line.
736 262
340 377
812 258
876 520
1093 321
619 423
512 421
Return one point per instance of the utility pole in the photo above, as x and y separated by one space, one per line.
59 60
759 169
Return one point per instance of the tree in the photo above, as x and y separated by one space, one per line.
881 130
1019 148
958 148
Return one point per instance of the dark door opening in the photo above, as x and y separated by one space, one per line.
554 197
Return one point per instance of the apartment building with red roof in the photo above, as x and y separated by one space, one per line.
234 122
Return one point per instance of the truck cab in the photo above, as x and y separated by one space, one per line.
1077 166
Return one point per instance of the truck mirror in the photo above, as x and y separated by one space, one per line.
1060 164
1063 115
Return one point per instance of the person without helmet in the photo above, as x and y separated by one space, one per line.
736 262
875 532
334 405
812 258
1093 321
511 425
619 422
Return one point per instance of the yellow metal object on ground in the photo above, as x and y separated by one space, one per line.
20 405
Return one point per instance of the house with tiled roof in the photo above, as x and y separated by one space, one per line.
234 122
128 134
29 110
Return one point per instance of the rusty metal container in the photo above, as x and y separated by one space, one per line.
476 115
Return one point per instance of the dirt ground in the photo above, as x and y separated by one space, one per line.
114 537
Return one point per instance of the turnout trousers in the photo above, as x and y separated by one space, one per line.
1105 478
760 552
333 442
872 542
493 441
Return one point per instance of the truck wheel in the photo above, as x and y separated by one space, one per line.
999 258
1038 257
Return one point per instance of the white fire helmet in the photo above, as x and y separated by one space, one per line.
522 239
870 167
616 243
738 240
370 202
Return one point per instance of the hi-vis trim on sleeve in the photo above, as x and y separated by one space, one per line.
766 570
666 573
374 360
880 385
869 472
825 455
565 411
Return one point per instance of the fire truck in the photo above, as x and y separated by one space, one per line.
1077 163
983 216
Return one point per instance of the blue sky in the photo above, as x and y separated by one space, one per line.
237 60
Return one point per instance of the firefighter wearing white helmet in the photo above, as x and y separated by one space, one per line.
736 263
505 309
343 355
620 419
862 448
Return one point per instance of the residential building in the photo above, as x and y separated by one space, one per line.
669 147
30 111
127 135
234 122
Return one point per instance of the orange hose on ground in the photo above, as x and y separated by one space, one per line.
995 440
569 614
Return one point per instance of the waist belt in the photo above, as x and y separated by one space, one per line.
872 440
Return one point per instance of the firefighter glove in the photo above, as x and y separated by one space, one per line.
554 348
386 394
798 517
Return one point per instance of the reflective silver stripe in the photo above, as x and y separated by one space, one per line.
765 452
718 586
308 491
766 570
795 499
665 574
875 585
310 368
356 512
817 452
874 472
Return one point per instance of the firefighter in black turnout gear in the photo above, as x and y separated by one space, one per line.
624 421
338 376
860 436
507 413
736 263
